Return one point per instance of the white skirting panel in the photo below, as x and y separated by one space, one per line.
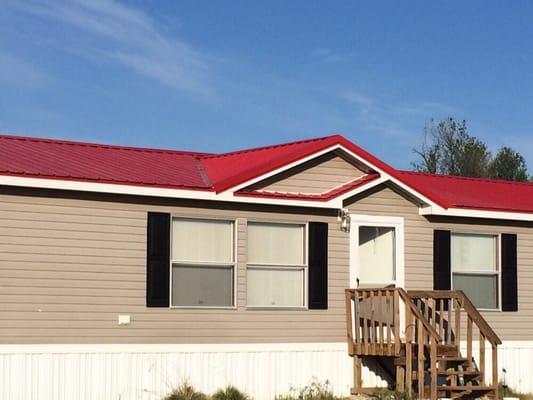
148 372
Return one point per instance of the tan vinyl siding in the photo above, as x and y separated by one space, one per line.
322 175
419 254
69 267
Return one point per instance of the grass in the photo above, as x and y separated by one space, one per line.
229 393
387 394
185 392
314 391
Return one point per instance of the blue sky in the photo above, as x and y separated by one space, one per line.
221 75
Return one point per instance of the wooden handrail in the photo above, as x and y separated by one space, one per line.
476 316
418 315
470 309
407 300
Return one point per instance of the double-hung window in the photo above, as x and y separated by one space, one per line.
203 263
277 265
475 268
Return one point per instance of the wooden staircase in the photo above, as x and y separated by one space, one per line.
415 337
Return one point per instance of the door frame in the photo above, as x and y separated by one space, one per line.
357 220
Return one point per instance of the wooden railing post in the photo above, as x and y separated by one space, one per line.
449 302
457 311
495 382
349 322
433 368
388 300
469 343
372 324
397 340
420 356
357 322
379 335
357 379
410 331
482 358
364 324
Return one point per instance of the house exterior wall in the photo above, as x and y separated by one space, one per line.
318 176
70 267
419 254
71 263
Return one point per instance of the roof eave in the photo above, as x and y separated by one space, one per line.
476 213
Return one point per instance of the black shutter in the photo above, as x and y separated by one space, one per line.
158 260
509 273
318 266
442 260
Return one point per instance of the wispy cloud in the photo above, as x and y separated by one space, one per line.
14 69
129 37
392 117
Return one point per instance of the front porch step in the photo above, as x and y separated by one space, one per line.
449 374
468 389
455 360
459 373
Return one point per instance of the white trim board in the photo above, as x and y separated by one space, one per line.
171 347
155 192
472 213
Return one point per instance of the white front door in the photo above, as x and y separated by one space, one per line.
376 251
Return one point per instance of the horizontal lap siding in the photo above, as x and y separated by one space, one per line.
69 267
316 179
419 255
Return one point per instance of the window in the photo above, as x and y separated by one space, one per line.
475 268
277 265
203 263
377 256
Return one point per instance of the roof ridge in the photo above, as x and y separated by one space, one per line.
99 145
274 146
467 178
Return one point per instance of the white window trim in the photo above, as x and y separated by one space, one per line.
234 264
498 272
357 220
305 266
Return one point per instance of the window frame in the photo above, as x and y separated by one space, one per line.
232 265
498 273
283 267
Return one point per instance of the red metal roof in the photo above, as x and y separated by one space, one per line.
231 169
472 193
60 159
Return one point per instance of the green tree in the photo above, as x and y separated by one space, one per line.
508 164
449 149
